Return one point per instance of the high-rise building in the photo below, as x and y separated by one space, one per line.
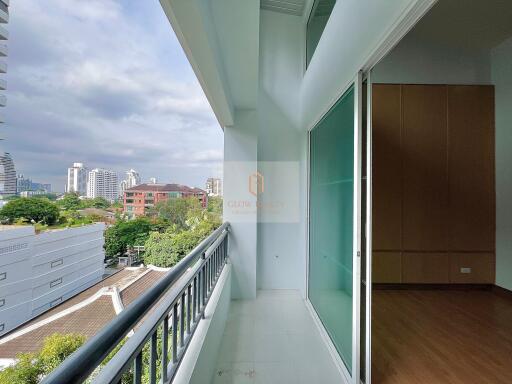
7 175
214 186
77 179
153 180
4 35
132 180
23 184
103 183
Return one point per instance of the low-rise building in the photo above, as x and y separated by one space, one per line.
33 193
39 271
139 199
84 313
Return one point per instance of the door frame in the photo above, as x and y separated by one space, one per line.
357 83
406 22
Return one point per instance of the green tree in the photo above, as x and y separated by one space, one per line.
176 211
70 202
97 202
127 233
30 210
31 367
215 205
49 196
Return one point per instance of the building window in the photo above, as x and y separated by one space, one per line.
318 17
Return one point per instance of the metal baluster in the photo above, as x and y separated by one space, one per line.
182 320
195 300
209 276
214 263
165 340
152 358
175 333
189 308
217 262
226 248
203 286
137 369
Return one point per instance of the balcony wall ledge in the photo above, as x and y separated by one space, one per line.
199 362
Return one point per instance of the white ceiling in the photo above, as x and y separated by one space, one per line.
292 7
471 24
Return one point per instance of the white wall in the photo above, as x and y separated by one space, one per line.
414 61
501 59
281 246
43 270
355 28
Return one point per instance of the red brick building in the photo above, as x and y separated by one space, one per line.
137 200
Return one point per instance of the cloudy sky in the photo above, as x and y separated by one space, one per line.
106 83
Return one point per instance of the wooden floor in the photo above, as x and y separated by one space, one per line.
435 337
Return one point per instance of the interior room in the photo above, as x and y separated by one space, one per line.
442 207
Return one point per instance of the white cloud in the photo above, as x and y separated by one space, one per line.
105 82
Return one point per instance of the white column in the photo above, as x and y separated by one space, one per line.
240 162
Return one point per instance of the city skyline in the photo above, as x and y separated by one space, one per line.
67 103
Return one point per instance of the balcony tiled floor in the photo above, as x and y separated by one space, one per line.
273 339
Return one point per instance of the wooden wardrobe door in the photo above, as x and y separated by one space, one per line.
387 167
471 168
424 151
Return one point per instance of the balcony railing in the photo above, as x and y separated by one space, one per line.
173 308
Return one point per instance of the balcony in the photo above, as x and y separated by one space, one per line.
187 328
273 339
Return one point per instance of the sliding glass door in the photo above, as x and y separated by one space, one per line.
336 181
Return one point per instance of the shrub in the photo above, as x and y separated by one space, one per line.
32 367
167 249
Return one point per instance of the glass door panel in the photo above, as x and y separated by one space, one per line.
331 253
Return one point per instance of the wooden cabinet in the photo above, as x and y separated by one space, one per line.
471 268
471 168
387 167
424 159
425 267
433 183
387 267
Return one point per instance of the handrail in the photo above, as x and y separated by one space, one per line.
77 367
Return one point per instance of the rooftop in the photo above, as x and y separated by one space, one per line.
164 188
85 313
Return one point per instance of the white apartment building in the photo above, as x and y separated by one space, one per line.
103 183
214 186
39 271
132 180
77 179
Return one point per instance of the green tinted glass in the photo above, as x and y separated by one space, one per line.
331 223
